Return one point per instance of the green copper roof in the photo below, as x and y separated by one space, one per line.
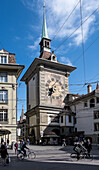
44 29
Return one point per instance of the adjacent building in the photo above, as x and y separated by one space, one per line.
21 127
9 73
86 108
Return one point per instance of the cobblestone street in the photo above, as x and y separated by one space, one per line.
52 157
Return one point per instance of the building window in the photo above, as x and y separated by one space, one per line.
75 120
92 103
70 120
3 59
96 114
3 96
85 104
97 99
3 115
3 77
61 119
62 130
33 78
70 130
96 127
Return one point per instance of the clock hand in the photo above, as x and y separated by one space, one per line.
60 90
50 91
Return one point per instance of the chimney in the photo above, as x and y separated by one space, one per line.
89 88
97 86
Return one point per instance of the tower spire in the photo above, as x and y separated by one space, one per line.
45 41
44 29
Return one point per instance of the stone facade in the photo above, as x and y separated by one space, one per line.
43 109
86 108
9 73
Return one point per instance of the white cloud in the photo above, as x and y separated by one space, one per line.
17 38
35 45
65 60
56 13
61 10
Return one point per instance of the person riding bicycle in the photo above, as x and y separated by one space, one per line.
78 149
24 147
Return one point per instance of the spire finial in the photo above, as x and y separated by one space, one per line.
44 30
44 4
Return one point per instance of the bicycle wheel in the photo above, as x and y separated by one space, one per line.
31 155
88 157
73 156
20 156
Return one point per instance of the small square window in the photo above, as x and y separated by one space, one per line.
85 104
97 99
3 59
70 120
3 77
61 119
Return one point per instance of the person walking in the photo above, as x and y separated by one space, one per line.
64 142
88 146
16 147
4 153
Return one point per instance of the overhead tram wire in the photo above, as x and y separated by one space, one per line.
86 49
77 28
82 42
66 20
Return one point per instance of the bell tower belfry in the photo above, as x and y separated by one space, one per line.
45 41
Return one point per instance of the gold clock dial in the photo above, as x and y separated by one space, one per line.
54 88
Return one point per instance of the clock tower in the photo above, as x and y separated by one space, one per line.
47 86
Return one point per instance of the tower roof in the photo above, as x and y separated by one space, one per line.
44 29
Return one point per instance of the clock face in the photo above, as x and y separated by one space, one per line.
54 87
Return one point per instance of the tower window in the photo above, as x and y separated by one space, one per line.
46 44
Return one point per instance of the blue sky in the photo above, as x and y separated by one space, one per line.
20 33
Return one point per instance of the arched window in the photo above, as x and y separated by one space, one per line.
92 103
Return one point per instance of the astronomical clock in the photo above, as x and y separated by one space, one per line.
55 88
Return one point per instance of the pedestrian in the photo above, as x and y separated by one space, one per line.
16 147
7 143
28 141
64 142
88 146
4 153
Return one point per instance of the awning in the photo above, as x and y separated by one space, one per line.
4 132
51 135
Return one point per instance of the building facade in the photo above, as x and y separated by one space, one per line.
47 85
86 108
9 73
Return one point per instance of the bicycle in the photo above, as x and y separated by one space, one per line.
84 155
30 155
